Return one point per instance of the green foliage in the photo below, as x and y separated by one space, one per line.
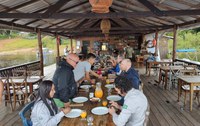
186 39
5 34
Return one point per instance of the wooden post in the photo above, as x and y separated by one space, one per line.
156 47
40 51
57 45
71 45
174 43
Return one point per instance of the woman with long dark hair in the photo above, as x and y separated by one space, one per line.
45 111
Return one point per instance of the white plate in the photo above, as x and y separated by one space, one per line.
109 85
114 98
85 86
74 113
99 110
79 99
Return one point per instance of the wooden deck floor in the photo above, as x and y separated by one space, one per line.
165 110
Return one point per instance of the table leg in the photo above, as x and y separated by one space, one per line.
149 69
191 96
166 75
31 87
179 89
160 77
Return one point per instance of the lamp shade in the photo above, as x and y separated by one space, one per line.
100 6
105 26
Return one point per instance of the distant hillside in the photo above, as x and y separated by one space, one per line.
16 44
23 43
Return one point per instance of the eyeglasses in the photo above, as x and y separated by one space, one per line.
74 61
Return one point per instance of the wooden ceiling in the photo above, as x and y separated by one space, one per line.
73 18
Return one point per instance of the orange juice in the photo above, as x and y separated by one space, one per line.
104 103
98 93
83 114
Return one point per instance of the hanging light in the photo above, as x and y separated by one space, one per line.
105 26
100 6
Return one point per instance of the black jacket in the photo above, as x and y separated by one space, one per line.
64 82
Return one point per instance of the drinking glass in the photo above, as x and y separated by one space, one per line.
90 120
104 102
83 115
109 91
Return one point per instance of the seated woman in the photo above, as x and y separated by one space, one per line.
45 111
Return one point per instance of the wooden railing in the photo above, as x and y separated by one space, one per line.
6 72
189 62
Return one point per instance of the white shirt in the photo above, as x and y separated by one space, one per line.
40 115
133 111
81 69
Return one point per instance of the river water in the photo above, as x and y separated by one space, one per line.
12 59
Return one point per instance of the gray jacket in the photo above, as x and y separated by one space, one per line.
133 110
40 115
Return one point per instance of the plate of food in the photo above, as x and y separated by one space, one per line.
85 86
79 99
114 98
100 110
74 113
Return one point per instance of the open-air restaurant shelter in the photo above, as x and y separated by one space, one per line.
171 86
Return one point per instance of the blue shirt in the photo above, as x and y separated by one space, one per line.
133 76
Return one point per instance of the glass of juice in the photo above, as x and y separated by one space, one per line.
83 115
104 102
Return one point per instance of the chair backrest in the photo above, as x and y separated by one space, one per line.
26 122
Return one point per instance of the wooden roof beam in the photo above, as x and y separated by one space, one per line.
151 7
112 28
54 8
82 23
99 16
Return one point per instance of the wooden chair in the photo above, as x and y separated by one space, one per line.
7 92
186 88
18 85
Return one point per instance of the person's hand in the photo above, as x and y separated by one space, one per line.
66 110
115 104
66 104
111 110
101 77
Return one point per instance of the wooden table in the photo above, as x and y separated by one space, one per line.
167 69
103 120
190 80
149 64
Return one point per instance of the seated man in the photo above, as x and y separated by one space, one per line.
83 69
116 64
135 105
130 73
63 79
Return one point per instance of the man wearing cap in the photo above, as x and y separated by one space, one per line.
63 79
